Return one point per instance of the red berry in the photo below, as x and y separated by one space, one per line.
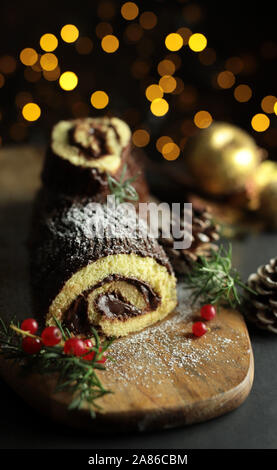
75 346
51 336
199 328
208 312
90 356
103 358
89 345
30 324
31 345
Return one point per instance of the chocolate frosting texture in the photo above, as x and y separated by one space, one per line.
62 244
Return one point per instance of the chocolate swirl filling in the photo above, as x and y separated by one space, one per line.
91 139
110 304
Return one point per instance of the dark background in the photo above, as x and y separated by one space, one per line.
241 29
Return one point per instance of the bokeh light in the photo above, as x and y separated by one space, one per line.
52 75
110 43
103 29
7 64
84 45
166 67
226 79
260 122
99 99
275 108
159 107
268 103
153 92
28 56
140 69
48 42
202 119
140 138
106 10
175 58
161 141
31 75
207 57
170 151
249 64
197 42
234 64
188 97
174 42
69 33
148 20
242 93
37 67
129 11
31 112
185 33
68 81
133 32
183 142
22 98
192 13
48 61
179 86
167 83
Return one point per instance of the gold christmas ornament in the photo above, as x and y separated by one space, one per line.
265 174
266 190
222 159
268 204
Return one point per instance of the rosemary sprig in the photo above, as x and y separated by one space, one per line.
215 281
123 190
74 374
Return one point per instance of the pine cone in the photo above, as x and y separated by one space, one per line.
262 308
204 233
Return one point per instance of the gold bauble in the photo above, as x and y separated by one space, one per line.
266 179
268 204
222 158
265 174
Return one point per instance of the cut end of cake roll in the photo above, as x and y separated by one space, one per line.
118 285
84 152
118 294
92 142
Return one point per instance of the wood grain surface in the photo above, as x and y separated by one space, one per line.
162 377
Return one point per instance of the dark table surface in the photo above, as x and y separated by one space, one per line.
252 425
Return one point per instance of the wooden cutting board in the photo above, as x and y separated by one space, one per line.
162 377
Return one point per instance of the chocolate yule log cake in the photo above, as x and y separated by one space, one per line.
83 152
82 276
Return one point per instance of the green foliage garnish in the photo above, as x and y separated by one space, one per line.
123 190
214 281
74 374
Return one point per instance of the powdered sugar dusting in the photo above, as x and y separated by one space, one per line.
155 354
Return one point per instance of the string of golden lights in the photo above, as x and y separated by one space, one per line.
46 64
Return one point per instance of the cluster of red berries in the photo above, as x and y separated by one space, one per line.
208 312
51 336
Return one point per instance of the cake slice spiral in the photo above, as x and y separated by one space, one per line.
118 284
